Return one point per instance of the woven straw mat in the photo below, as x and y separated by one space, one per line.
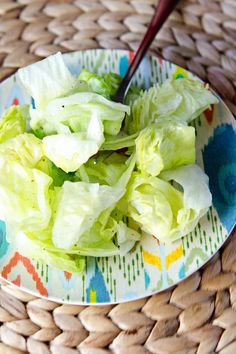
199 315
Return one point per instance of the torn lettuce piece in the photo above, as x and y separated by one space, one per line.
150 201
105 169
47 79
107 85
13 122
63 101
163 146
191 178
74 112
93 243
143 111
108 236
81 203
79 127
100 84
180 100
79 206
45 252
184 99
164 211
24 148
25 197
98 240
70 151
24 190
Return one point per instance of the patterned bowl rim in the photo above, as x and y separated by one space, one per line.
75 303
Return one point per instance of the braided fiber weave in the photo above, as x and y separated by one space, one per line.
197 316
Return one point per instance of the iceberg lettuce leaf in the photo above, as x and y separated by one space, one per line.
81 203
99 84
107 85
25 197
163 210
105 169
70 151
25 148
13 122
44 251
165 146
180 100
74 112
47 79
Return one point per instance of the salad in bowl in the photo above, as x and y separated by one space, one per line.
86 176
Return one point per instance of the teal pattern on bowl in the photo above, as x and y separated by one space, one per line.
153 266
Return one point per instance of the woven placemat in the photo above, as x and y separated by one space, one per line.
199 315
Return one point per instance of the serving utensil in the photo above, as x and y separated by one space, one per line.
162 12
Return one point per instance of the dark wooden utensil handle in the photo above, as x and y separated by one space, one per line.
163 10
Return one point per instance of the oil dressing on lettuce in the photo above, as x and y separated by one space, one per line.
85 176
